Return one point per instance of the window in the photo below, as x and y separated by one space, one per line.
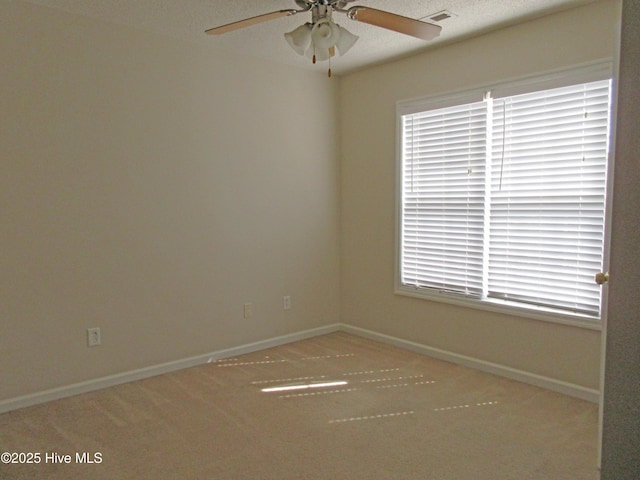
502 196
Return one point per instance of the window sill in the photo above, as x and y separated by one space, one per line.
531 312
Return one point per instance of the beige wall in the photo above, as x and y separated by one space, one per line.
150 188
367 102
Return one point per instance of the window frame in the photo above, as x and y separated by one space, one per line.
591 72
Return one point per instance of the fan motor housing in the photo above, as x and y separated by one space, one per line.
316 3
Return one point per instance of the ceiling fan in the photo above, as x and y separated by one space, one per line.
321 37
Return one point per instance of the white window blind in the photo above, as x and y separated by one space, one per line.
504 199
549 152
443 198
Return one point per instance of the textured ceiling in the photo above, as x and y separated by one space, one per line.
187 19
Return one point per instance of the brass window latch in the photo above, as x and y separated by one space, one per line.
602 278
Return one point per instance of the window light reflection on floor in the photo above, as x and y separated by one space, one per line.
304 386
458 407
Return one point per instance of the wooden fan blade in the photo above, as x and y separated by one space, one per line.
392 21
247 22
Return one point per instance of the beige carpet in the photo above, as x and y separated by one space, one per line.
390 414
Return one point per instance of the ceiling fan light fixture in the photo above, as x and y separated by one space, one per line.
300 38
321 39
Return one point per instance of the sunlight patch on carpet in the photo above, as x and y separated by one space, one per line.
304 386
458 407
371 417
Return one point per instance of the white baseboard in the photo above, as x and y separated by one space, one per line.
152 371
559 386
142 373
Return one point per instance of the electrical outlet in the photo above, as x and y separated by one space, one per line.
94 338
248 310
286 302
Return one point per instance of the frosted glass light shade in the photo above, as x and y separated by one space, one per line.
346 40
325 34
300 38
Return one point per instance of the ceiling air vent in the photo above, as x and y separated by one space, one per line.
439 16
